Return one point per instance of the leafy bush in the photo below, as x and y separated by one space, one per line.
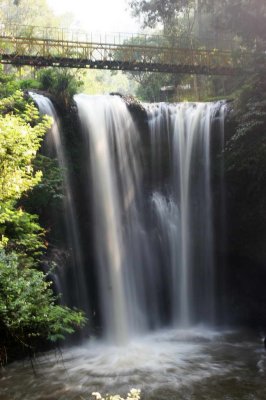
28 307
60 82
29 83
21 232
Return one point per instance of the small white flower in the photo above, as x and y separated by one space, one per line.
97 395
133 394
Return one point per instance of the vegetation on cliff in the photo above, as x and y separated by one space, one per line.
29 311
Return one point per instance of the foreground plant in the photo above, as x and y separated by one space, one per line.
134 394
28 308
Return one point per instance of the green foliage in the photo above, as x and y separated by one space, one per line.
247 146
21 79
21 232
29 12
8 84
245 167
29 83
21 132
28 308
151 85
240 25
61 83
29 311
102 82
246 18
159 11
19 142
246 149
48 192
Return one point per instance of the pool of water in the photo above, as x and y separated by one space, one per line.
195 364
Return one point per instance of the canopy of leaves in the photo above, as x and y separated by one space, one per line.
246 18
158 11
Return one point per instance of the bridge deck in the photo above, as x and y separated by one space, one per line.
42 48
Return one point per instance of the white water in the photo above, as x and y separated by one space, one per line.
122 248
180 364
180 144
168 223
153 242
55 142
153 239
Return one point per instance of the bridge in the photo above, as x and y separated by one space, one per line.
44 47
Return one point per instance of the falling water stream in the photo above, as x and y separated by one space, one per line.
121 239
184 206
153 240
153 251
55 144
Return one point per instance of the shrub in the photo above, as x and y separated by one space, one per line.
28 307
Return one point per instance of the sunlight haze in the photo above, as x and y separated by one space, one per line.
100 15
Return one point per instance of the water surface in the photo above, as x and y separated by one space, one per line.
172 364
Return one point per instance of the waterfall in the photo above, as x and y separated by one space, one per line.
122 247
77 290
149 214
184 131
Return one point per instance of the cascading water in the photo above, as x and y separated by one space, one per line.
122 248
153 242
183 131
153 239
55 142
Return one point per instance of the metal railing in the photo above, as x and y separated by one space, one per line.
208 41
45 46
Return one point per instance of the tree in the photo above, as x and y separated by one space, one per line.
246 18
165 12
28 12
236 24
31 12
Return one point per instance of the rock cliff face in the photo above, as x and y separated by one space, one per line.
245 198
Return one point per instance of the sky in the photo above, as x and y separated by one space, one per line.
98 15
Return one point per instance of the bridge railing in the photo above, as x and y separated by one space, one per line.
208 42
45 46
